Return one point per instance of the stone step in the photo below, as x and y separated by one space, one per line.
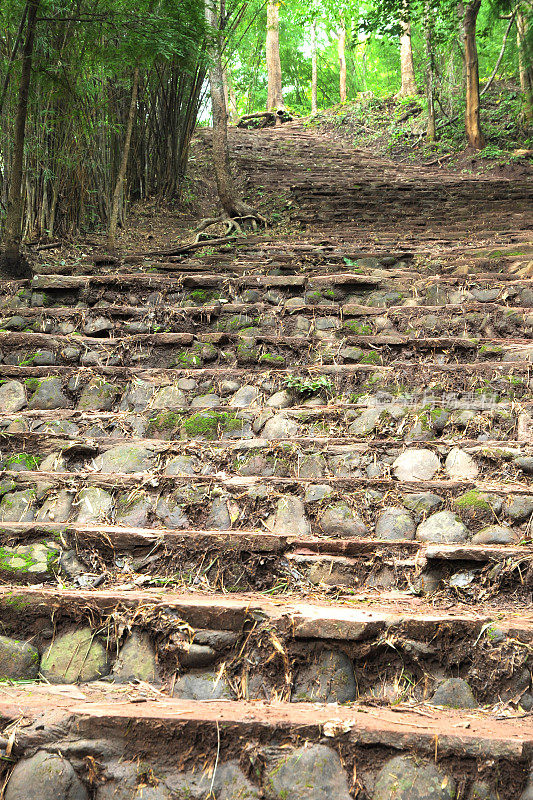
475 398
435 511
254 560
321 321
253 348
456 459
184 748
378 288
383 648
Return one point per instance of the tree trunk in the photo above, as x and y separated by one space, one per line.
13 263
232 206
525 63
232 104
121 177
408 87
314 69
341 47
430 75
275 94
472 118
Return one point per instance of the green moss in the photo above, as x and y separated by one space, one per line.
209 423
31 462
472 500
32 383
361 328
372 357
272 358
166 421
186 359
490 350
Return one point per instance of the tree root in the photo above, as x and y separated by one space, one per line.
233 224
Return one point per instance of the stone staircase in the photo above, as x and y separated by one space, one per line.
266 511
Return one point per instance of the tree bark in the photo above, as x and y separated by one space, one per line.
121 177
341 48
430 74
408 87
314 69
13 263
474 133
275 93
525 63
232 206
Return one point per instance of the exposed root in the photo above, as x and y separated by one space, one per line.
233 225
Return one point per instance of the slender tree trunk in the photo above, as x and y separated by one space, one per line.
341 48
121 177
408 87
13 262
231 204
525 63
14 50
232 99
430 74
314 69
275 94
474 133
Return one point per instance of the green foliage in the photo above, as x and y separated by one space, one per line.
309 386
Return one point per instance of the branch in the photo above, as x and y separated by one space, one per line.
499 61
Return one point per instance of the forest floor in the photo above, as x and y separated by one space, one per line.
267 507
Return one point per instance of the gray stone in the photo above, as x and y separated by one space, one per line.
57 508
122 782
439 419
136 659
18 506
494 534
48 395
94 504
454 693
132 510
317 492
244 397
219 518
280 427
170 398
482 791
126 458
525 463
308 773
289 518
311 467
202 685
45 776
206 401
14 324
75 657
44 358
365 422
218 640
98 325
12 397
18 660
422 502
171 514
232 784
341 520
395 523
460 465
329 678
444 526
138 396
98 395
519 507
228 387
282 399
180 465
402 778
351 353
196 655
416 465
